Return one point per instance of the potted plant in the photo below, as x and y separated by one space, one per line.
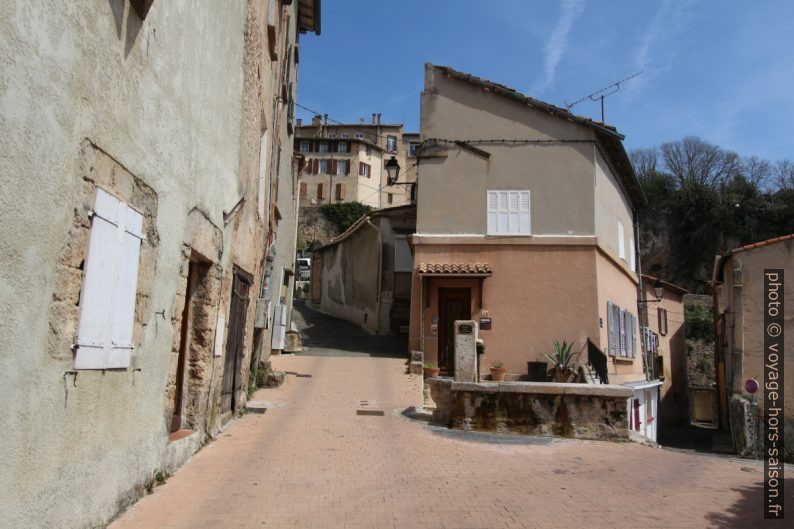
431 370
498 372
562 364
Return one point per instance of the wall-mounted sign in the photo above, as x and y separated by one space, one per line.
433 327
465 329
751 386
485 324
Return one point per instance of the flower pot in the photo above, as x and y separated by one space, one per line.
498 374
431 372
562 375
538 371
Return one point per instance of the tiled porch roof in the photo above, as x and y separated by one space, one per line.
479 269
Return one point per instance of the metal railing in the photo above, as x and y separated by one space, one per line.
598 361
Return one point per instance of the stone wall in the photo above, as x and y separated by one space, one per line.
579 411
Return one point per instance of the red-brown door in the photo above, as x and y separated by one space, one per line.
453 304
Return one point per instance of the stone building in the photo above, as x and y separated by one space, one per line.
346 162
149 208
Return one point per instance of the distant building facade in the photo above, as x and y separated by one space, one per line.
346 162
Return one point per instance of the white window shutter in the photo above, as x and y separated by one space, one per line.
622 330
493 211
632 255
633 331
502 225
263 173
611 328
621 242
525 226
107 299
512 212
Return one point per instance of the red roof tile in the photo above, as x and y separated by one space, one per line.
454 268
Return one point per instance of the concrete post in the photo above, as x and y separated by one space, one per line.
465 351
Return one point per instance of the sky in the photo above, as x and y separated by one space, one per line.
723 71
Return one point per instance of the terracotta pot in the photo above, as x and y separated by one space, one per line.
431 372
498 374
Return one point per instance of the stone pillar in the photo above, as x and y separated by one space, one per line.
465 351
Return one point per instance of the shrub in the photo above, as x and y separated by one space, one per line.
344 214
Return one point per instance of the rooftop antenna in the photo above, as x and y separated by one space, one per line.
601 94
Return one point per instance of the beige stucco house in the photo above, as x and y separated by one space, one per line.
665 341
738 282
364 275
525 223
149 201
346 162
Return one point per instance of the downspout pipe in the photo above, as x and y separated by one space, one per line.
642 308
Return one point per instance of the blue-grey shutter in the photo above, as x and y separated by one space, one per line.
611 329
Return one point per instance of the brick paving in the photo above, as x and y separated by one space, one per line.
311 462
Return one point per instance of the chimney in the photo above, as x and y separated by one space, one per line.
317 120
373 118
378 119
299 122
325 119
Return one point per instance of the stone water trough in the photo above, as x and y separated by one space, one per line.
579 411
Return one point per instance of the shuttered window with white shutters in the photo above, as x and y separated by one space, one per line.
508 213
107 299
621 332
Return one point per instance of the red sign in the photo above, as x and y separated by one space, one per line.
751 385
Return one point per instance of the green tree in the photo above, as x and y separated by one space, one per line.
344 214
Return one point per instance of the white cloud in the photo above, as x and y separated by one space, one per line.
558 42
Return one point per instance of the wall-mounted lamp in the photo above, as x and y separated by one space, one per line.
658 291
392 171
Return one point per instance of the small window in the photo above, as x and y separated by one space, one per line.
662 321
107 298
342 147
344 135
359 135
332 135
363 169
369 150
304 190
508 213
323 166
390 198
323 146
305 146
391 143
341 167
621 242
412 147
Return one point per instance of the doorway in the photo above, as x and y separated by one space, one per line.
235 342
453 304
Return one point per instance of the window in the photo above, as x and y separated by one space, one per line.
344 135
363 169
304 190
359 135
403 260
323 146
662 313
320 191
508 213
621 242
332 135
412 147
323 166
342 147
621 331
305 146
341 167
632 257
369 150
391 143
107 298
340 191
390 198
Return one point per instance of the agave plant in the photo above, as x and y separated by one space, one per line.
562 359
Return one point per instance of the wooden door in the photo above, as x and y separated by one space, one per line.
235 342
453 304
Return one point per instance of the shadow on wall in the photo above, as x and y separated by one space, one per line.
746 512
134 22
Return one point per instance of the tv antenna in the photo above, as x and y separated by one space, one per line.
601 94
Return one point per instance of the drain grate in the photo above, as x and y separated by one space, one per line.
260 411
378 413
367 409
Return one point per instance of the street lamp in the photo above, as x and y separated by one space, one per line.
658 291
392 170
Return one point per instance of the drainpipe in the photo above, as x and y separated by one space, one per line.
642 308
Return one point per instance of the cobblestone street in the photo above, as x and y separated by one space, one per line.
310 461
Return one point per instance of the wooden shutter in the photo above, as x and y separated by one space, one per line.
524 226
621 242
320 193
632 256
107 299
633 334
612 337
662 313
304 192
348 163
622 331
340 191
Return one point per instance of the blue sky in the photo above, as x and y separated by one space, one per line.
723 71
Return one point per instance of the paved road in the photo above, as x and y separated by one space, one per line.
325 335
311 462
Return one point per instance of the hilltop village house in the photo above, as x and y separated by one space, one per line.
526 221
148 234
739 308
346 162
364 275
